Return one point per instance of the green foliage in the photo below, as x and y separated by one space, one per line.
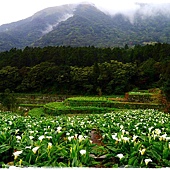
9 78
94 105
84 70
8 100
129 138
40 77
149 72
36 112
166 89
58 108
166 84
88 26
140 93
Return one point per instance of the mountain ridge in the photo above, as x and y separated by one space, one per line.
85 25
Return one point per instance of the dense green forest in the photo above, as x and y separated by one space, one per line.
85 70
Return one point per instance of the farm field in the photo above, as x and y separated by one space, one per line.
85 104
129 138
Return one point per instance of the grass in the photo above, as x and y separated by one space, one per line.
31 105
58 108
89 104
86 98
93 105
88 101
37 112
141 93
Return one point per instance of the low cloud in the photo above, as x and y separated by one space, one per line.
130 8
50 27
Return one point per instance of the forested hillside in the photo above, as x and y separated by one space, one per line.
85 70
90 26
86 25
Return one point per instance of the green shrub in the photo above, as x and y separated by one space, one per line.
8 100
58 108
36 112
92 105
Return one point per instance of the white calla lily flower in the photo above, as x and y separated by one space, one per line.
142 151
41 138
35 149
120 155
147 161
82 152
16 154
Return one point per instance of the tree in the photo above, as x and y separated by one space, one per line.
166 82
166 89
148 74
8 100
80 77
40 77
9 78
94 77
126 47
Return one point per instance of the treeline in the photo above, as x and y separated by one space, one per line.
85 70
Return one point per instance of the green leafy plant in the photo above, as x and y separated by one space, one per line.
130 138
9 100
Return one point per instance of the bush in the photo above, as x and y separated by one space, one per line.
36 112
8 100
166 89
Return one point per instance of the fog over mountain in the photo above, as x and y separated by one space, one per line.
86 24
49 27
144 9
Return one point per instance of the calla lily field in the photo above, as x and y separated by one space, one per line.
129 138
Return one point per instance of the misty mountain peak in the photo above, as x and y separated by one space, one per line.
85 24
150 10
68 8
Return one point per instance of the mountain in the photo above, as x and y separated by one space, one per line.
25 32
86 25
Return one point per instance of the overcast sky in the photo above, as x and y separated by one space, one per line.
14 10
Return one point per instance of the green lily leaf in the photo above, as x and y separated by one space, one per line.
4 148
166 153
154 154
113 149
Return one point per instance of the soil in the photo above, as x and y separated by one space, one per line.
96 137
